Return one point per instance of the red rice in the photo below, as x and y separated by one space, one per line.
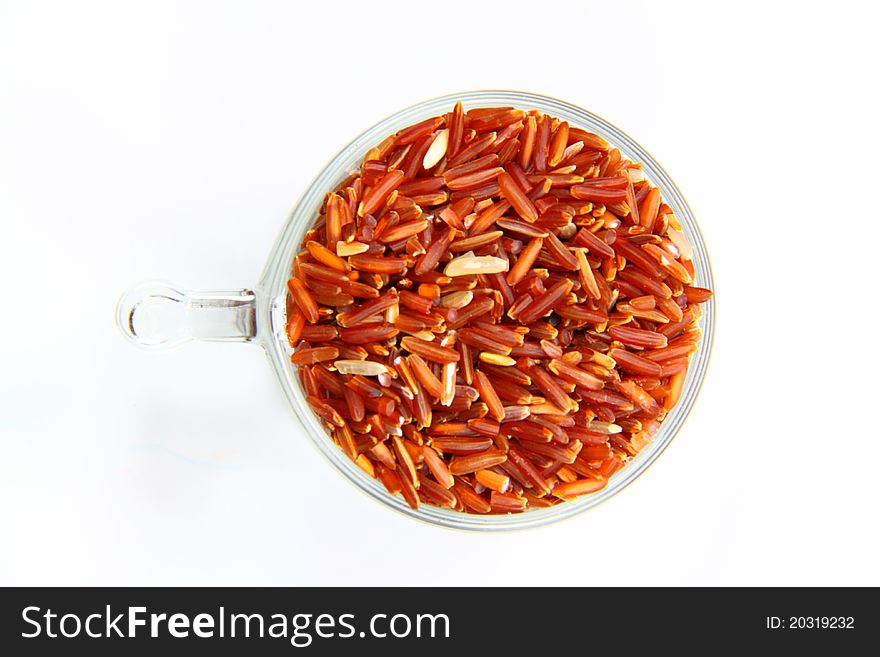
510 305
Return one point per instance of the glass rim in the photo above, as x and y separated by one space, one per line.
272 289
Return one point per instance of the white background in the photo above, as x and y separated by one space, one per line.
142 140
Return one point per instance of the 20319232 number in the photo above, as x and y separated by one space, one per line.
810 623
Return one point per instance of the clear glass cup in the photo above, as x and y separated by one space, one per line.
158 316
